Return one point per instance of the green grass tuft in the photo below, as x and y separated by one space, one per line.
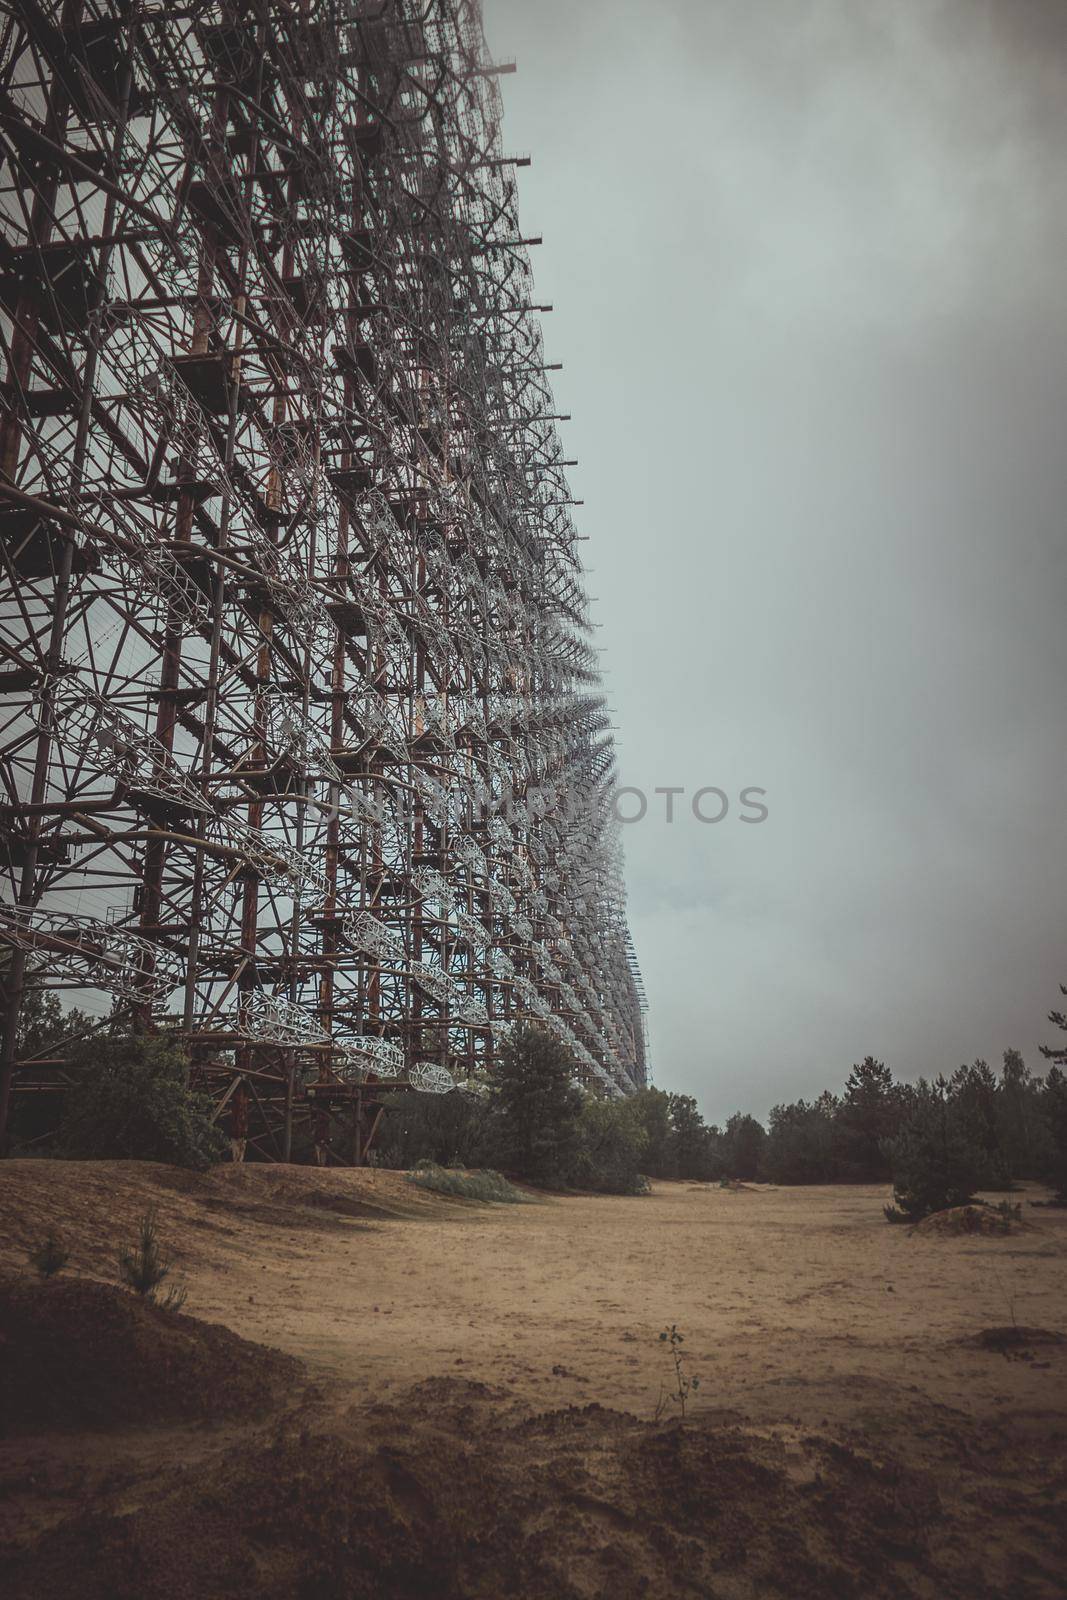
479 1185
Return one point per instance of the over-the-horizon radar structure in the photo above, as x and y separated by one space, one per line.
303 754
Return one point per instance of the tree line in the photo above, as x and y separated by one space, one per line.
994 1127
937 1141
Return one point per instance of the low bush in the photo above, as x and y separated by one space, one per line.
453 1130
483 1184
130 1101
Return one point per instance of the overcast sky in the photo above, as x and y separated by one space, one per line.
807 259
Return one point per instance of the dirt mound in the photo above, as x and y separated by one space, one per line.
97 1206
1016 1340
982 1219
439 1498
78 1354
448 1492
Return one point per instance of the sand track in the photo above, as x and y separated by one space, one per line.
838 1357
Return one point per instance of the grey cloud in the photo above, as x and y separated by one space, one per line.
806 260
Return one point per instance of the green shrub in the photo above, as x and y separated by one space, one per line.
143 1267
453 1130
479 1185
609 1148
50 1257
684 1385
130 1101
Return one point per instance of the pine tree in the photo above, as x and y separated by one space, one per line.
50 1256
934 1163
652 1108
1019 1113
868 1115
690 1139
1057 1052
800 1142
535 1105
974 1091
1054 1105
144 1266
1054 1110
743 1140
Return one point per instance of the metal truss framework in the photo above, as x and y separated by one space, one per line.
302 744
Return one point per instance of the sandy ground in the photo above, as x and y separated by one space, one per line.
801 1308
792 1301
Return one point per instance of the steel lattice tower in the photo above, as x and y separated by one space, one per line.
302 745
